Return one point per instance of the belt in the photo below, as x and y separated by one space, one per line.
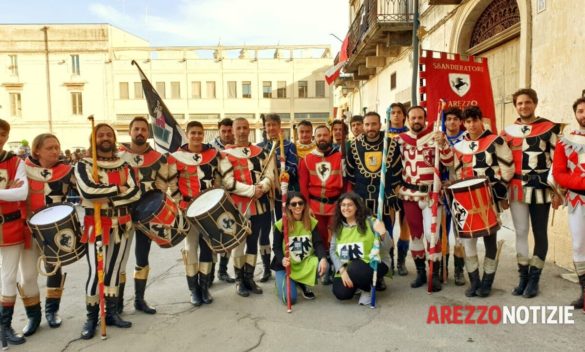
419 188
531 177
324 200
10 217
120 211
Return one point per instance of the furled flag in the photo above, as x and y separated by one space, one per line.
332 73
167 133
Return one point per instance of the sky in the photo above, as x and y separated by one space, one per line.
198 22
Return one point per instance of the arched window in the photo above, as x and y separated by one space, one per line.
496 18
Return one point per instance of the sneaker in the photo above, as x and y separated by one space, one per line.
365 298
307 293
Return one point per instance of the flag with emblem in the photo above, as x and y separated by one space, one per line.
167 133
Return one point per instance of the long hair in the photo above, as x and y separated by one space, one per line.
305 217
39 141
97 127
361 213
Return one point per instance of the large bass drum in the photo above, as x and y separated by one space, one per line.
159 218
57 232
220 223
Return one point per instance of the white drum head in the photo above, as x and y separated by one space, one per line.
205 202
51 215
467 183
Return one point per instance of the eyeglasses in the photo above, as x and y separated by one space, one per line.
297 204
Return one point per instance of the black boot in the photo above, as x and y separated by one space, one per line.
212 275
33 314
532 286
267 272
436 279
139 302
421 273
240 287
112 316
91 323
485 288
401 262
523 273
120 304
204 281
459 264
222 272
193 284
6 321
52 312
578 303
474 283
249 279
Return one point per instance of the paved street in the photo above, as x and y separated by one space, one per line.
260 323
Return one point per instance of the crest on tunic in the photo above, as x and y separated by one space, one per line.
429 156
227 223
299 247
460 83
323 170
65 240
373 161
350 251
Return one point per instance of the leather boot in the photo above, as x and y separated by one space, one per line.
6 321
267 272
121 288
533 279
193 284
112 316
459 264
401 262
578 303
421 273
436 279
240 287
222 272
52 312
485 288
139 302
474 283
204 281
523 274
33 314
249 279
88 330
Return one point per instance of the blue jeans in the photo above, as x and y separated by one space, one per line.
281 287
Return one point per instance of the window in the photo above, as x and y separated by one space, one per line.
15 105
210 89
320 89
196 90
124 94
281 90
76 103
13 65
160 89
303 89
393 81
175 90
232 90
267 89
75 65
247 89
138 92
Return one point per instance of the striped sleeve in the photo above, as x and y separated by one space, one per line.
132 194
88 188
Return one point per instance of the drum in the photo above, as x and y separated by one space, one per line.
473 209
221 224
57 232
159 218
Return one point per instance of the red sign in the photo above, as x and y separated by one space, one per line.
460 82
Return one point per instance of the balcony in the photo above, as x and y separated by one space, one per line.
379 30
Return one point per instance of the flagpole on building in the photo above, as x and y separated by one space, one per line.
415 53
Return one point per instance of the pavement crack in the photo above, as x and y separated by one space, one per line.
256 321
69 343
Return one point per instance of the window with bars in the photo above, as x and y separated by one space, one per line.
76 103
281 90
247 89
124 93
160 89
303 89
15 105
196 90
267 89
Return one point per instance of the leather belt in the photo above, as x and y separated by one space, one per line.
324 200
120 211
10 217
418 188
531 177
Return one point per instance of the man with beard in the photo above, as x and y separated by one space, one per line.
417 148
226 137
151 171
569 173
272 127
248 174
115 191
364 160
532 140
322 182
305 144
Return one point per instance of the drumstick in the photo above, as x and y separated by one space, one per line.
272 150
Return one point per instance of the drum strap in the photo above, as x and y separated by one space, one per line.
10 217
